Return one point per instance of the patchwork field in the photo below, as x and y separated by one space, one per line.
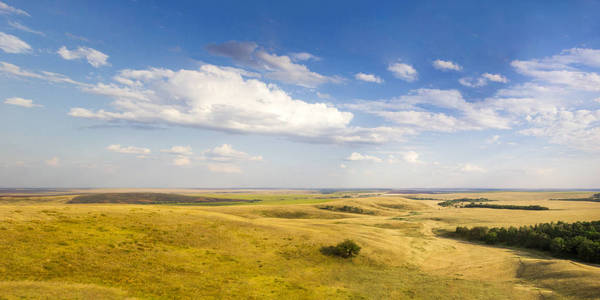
265 245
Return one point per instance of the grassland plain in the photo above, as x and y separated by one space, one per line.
50 249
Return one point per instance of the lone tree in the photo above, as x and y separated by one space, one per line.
345 249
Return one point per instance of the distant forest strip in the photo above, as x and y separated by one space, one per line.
456 202
579 240
500 206
592 198
419 198
152 198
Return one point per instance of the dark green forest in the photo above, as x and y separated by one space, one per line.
500 206
579 240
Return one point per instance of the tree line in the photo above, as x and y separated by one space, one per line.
592 198
504 206
580 240
456 202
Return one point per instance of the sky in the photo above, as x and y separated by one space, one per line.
308 94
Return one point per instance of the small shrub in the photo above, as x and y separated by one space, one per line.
345 249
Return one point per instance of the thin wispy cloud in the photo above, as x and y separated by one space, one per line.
19 26
9 10
278 67
28 103
12 44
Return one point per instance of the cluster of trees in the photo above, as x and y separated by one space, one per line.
348 209
569 240
345 249
456 202
499 206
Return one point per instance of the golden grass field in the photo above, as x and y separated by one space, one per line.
270 249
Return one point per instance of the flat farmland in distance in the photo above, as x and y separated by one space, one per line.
269 248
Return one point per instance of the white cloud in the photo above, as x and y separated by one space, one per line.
11 69
181 160
413 110
278 67
327 96
224 168
446 65
473 82
12 44
22 27
493 140
563 69
222 99
226 153
403 71
299 56
471 168
93 56
343 166
9 10
411 157
355 156
494 77
482 80
180 150
53 162
128 150
368 77
21 102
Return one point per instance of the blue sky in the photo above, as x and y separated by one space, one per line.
303 95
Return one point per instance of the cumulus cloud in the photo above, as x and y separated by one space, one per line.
128 150
181 160
21 102
93 56
327 96
563 69
493 140
217 98
22 27
473 82
445 65
6 9
53 162
411 157
179 150
278 67
226 153
414 110
471 168
494 77
368 77
403 71
482 80
355 156
12 44
224 168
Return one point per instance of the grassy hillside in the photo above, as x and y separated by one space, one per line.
116 251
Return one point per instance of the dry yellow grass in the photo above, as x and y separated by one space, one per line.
271 251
